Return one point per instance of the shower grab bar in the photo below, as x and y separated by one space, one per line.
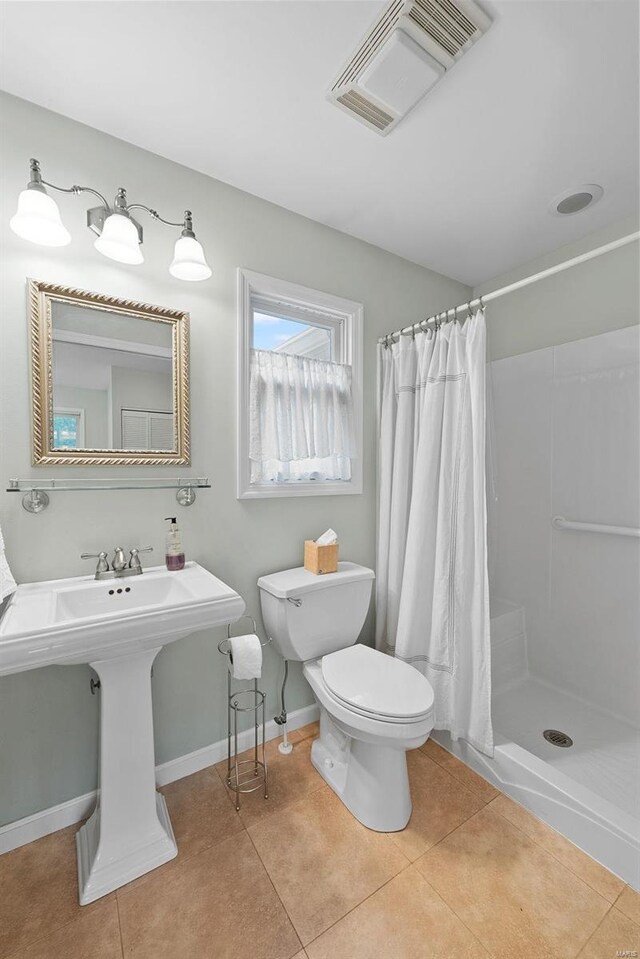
559 522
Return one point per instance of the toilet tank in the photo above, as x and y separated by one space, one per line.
307 616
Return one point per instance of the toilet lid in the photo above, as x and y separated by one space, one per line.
375 683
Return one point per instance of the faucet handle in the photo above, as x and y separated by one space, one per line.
119 561
102 565
134 559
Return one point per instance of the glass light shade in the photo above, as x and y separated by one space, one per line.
119 240
188 260
38 219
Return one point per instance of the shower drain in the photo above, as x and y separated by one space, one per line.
556 738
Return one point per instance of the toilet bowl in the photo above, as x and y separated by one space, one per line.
373 708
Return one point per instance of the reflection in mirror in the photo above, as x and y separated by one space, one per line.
112 380
109 380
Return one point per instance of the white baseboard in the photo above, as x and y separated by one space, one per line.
43 823
209 755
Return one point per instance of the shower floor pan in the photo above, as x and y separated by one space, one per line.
589 792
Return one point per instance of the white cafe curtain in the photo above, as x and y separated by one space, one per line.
301 418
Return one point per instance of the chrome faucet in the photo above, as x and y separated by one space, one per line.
119 566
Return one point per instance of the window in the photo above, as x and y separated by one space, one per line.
68 428
299 390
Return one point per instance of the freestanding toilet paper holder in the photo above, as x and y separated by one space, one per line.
249 700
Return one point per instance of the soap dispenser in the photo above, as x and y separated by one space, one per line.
174 553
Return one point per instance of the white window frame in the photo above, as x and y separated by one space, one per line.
345 318
73 411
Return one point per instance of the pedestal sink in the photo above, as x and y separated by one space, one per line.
118 626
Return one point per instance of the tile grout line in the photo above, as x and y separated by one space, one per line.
455 913
391 878
56 929
280 809
553 856
153 872
577 956
244 828
119 926
283 759
619 897
458 916
459 781
286 912
450 905
180 860
442 838
408 865
609 905
435 891
358 904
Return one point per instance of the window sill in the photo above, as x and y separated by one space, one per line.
301 489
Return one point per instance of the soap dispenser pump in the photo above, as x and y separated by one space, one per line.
174 553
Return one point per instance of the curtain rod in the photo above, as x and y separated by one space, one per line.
518 285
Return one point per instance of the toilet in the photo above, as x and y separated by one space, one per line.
373 708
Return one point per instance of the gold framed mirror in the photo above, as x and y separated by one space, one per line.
109 380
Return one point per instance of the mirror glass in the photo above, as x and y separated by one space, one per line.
109 380
112 380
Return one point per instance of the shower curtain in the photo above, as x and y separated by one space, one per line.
432 593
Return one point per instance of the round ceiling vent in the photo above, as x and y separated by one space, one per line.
576 200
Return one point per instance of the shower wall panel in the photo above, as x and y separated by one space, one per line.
567 429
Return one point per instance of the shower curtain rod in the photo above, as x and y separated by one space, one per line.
527 281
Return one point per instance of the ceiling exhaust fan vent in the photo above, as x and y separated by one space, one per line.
406 51
365 109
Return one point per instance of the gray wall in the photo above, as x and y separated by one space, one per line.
95 404
138 390
594 297
48 719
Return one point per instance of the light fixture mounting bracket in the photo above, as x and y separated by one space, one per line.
96 216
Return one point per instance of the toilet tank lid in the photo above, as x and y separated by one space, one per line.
295 582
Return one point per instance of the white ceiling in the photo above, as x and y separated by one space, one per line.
546 101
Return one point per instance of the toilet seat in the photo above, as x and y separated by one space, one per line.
372 684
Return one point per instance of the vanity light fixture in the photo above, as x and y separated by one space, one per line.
119 236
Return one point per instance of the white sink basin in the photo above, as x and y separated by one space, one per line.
79 620
118 626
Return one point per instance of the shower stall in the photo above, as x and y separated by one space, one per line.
563 481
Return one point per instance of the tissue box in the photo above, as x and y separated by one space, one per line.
320 559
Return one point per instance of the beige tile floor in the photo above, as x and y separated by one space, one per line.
296 877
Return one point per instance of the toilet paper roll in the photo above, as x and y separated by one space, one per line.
246 657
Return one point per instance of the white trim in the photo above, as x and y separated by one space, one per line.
65 814
350 315
109 343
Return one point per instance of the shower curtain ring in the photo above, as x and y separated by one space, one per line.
481 304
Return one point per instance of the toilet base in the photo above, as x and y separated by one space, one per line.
371 779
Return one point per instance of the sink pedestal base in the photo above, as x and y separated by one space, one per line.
129 832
